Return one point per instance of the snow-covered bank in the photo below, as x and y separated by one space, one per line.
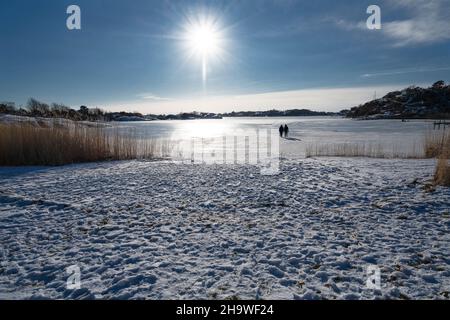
162 230
47 122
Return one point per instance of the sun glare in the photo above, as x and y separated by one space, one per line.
204 39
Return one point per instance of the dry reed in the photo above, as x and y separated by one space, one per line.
436 142
442 172
440 147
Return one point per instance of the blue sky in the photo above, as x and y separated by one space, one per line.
130 55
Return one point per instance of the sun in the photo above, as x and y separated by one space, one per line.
205 41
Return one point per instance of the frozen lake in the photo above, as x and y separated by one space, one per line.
404 137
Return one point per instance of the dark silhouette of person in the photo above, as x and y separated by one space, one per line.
281 129
286 131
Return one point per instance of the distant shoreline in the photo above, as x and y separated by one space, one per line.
8 118
50 121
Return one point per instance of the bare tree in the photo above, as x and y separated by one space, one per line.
37 108
60 110
7 107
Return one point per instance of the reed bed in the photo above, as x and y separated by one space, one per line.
24 144
361 149
433 146
436 144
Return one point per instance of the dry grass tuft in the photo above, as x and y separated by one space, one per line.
442 173
436 142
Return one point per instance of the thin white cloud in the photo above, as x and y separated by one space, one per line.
151 96
428 22
424 30
404 71
321 99
348 25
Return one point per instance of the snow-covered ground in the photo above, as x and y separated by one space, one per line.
161 230
47 122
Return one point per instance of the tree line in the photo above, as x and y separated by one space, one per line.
35 108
